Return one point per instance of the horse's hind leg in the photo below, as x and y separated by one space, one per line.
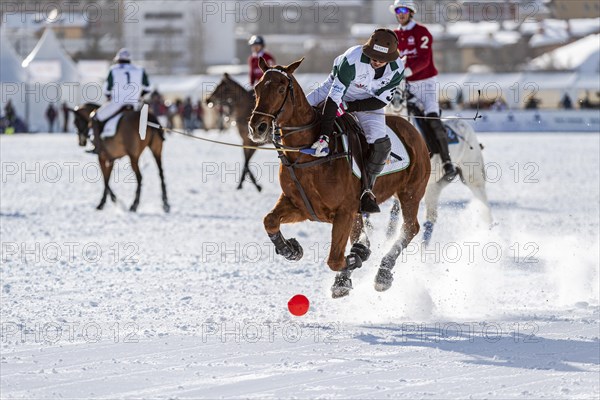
138 175
284 212
248 153
156 148
410 227
432 199
106 167
394 218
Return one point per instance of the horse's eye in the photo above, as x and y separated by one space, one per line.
281 90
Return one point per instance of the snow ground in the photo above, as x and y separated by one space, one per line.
110 304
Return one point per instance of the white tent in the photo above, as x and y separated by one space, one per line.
49 53
52 78
10 64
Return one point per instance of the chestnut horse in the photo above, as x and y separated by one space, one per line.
326 190
229 92
126 142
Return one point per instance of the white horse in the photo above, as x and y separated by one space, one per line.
465 153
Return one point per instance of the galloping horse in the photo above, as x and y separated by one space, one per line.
229 92
466 154
325 190
126 142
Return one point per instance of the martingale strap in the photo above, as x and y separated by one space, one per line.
290 166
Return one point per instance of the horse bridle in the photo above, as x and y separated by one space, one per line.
290 129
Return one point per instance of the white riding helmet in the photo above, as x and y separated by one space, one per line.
123 55
403 3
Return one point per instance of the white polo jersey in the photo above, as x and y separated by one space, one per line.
353 78
125 83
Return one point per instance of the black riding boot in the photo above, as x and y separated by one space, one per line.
378 155
442 138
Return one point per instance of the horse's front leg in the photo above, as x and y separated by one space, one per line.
342 228
106 167
284 212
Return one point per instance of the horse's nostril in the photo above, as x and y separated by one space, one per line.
262 128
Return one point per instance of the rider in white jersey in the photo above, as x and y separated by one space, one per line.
363 81
125 84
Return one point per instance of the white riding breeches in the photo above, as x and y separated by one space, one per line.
426 91
372 122
107 110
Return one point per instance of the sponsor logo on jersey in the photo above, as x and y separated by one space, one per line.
411 40
408 52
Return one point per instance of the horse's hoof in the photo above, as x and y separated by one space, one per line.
133 208
259 188
297 252
166 207
100 206
239 187
341 286
113 198
383 280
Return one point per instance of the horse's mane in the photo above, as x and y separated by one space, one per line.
237 84
92 105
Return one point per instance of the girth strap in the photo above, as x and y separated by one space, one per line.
291 166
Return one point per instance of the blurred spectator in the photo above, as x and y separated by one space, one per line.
566 102
65 110
9 113
200 115
586 102
499 105
51 115
187 114
532 103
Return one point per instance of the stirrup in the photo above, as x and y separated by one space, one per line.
368 204
449 172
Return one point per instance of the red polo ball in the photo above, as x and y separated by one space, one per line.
298 305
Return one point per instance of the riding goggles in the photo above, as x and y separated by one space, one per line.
402 10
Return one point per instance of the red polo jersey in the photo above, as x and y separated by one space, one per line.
254 70
416 44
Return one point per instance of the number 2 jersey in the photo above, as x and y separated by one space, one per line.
125 83
415 42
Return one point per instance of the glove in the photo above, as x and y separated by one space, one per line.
321 146
407 72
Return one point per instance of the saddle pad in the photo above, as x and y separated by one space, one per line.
450 126
397 161
452 135
110 127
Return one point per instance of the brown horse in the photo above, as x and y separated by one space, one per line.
126 142
231 93
328 191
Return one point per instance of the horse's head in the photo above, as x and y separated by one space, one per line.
82 121
226 92
274 99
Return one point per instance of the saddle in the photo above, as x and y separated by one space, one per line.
114 120
358 148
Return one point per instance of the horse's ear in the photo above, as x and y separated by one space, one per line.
226 76
264 66
293 66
